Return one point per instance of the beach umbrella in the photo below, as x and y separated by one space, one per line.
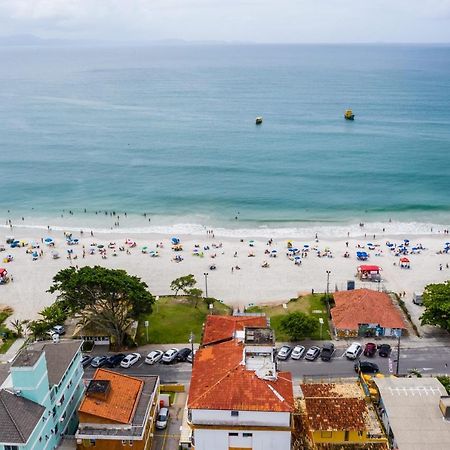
297 257
35 254
306 246
370 244
100 246
389 244
404 260
274 251
48 240
175 240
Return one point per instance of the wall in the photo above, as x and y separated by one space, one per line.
260 440
224 417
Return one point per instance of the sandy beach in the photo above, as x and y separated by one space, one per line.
251 283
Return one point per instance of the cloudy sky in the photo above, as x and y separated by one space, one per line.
230 20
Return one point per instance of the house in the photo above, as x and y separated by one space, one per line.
237 397
415 412
337 414
363 312
39 399
118 412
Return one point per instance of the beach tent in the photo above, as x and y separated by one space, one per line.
404 263
369 272
362 256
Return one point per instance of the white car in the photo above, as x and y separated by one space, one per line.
354 351
162 419
170 355
153 357
298 351
130 360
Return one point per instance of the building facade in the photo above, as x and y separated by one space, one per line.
39 400
118 412
237 399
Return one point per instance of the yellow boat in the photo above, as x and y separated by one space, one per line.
349 115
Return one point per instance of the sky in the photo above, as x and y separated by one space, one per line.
276 21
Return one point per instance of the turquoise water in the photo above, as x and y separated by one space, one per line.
170 131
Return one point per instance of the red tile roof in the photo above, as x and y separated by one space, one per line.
119 405
362 306
220 381
327 409
219 328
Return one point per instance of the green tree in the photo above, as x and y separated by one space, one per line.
436 299
17 326
39 329
55 314
195 295
298 325
109 298
183 284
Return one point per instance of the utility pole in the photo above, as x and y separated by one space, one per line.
206 284
399 333
328 292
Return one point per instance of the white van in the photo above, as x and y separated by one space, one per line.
418 298
353 351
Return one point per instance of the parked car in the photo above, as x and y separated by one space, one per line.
183 354
284 352
162 419
153 357
191 356
98 361
170 355
130 360
327 351
59 329
366 367
313 353
353 351
384 350
86 360
418 298
370 349
114 360
298 351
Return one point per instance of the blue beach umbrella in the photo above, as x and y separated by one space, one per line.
175 240
48 240
306 246
369 244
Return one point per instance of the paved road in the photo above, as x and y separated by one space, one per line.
432 360
428 360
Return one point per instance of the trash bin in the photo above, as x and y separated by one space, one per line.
350 285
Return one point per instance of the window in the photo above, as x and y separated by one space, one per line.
234 413
326 434
247 434
233 434
11 447
347 435
92 442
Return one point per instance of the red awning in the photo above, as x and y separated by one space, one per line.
404 260
369 268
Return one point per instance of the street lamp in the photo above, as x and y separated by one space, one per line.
399 333
206 284
191 341
328 272
321 323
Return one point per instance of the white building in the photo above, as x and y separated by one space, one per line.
237 399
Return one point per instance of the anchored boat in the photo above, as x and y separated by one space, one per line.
349 115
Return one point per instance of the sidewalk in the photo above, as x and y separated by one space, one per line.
12 351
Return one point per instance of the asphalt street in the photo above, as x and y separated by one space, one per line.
426 360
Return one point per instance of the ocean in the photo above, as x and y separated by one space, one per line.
170 131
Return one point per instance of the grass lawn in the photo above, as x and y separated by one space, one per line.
6 343
306 304
173 319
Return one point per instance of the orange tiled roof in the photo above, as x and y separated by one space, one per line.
219 328
220 381
362 306
121 400
328 409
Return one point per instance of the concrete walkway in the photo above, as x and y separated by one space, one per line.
12 351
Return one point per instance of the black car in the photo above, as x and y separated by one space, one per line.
98 361
183 354
114 360
366 367
384 350
85 360
327 351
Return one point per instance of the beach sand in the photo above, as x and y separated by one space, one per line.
283 280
